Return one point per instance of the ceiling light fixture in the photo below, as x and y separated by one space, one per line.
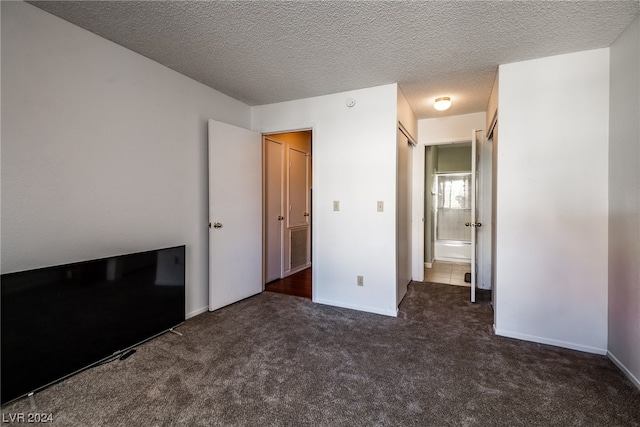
442 103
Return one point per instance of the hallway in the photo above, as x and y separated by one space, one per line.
298 284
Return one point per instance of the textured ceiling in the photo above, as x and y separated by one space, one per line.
261 52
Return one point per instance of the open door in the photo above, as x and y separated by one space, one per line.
274 180
474 224
235 214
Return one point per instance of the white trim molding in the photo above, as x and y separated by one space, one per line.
392 312
624 369
549 341
194 313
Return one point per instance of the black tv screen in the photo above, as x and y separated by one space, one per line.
56 321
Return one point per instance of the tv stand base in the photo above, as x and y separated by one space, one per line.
32 401
127 354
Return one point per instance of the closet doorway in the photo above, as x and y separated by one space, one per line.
287 212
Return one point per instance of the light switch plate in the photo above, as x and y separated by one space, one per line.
380 206
336 205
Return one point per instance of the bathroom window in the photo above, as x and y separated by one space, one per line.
453 207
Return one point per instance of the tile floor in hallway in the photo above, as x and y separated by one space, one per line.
451 273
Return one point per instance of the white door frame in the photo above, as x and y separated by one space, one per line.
272 134
419 213
423 176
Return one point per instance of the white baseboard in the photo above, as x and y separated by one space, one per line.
624 369
392 312
549 341
428 265
196 312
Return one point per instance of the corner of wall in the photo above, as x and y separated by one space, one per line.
492 105
406 116
623 309
540 145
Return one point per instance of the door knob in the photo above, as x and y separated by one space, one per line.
217 225
305 214
477 224
280 217
466 224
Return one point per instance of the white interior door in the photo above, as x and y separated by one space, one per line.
484 212
235 214
298 218
274 211
474 214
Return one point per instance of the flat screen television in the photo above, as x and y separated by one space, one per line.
57 321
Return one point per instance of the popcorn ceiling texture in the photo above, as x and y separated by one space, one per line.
262 52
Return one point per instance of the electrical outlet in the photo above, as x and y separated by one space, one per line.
360 280
380 206
336 205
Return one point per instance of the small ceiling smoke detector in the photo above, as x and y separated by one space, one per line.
442 103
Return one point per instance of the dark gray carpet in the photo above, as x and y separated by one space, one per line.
281 360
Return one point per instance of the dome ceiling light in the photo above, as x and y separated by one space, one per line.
442 103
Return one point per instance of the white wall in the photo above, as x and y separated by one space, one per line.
354 162
103 151
624 203
442 130
551 255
